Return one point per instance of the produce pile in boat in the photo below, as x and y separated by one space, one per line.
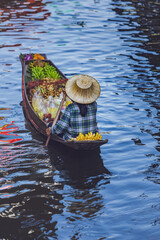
88 137
44 86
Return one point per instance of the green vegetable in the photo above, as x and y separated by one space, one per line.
47 71
51 72
37 73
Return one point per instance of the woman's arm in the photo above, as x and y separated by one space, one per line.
63 123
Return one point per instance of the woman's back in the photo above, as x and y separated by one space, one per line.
84 124
72 122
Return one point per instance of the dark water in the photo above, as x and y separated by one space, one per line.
55 193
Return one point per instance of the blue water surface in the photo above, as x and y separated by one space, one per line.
58 194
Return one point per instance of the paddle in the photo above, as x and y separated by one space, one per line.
57 116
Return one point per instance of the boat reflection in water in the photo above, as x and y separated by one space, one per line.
78 164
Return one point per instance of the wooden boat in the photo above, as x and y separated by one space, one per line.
39 124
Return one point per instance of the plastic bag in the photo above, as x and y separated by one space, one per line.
51 107
39 104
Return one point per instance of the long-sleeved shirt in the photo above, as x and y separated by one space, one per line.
72 123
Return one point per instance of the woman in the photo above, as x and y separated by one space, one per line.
79 116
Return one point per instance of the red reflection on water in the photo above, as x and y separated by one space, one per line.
6 187
18 9
7 130
13 45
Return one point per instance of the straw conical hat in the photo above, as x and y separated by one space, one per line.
83 89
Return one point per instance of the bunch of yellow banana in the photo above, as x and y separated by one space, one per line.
88 137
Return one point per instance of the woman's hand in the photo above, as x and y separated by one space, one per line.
48 131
